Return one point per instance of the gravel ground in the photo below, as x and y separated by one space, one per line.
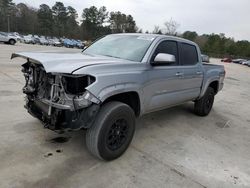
171 148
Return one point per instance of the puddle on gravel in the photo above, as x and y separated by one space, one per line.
60 139
59 151
48 155
51 154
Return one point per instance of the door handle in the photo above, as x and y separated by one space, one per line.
199 72
179 74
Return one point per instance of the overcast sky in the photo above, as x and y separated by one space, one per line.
231 17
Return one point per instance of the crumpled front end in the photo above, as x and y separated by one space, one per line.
60 101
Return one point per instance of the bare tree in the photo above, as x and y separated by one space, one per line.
171 27
157 30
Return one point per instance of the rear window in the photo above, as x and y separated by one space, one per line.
188 54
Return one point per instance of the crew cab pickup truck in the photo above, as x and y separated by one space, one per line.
116 79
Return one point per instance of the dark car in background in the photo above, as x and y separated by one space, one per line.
227 60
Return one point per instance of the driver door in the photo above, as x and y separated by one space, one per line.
164 86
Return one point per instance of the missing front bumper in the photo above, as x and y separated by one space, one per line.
62 119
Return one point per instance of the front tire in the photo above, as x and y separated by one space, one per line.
203 106
110 135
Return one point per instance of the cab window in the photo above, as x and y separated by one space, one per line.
188 54
169 47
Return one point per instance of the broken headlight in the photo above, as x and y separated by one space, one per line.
75 84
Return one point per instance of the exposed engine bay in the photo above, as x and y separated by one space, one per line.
60 101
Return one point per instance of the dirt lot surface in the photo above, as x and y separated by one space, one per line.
171 148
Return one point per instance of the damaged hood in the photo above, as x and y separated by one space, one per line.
65 62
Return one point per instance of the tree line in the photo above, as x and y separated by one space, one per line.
215 45
218 45
63 21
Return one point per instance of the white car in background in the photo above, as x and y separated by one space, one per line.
28 39
7 38
246 63
56 42
43 41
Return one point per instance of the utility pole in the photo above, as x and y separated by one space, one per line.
8 20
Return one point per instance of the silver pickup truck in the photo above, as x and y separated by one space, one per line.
113 81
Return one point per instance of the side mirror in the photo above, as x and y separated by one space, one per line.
204 58
84 48
163 58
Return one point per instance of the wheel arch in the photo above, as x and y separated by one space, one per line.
214 83
131 98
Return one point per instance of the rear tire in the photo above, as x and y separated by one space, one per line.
110 135
12 41
203 106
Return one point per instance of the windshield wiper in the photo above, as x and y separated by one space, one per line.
112 56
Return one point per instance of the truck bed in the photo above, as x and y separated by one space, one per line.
212 66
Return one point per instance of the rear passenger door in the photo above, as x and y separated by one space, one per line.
192 70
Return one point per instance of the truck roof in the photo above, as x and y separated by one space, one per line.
159 36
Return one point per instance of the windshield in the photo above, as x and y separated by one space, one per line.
4 34
129 47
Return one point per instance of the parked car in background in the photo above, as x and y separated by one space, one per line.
68 43
44 41
7 38
29 39
238 60
247 63
205 58
21 39
56 42
77 43
50 41
80 44
226 60
17 35
37 40
74 42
